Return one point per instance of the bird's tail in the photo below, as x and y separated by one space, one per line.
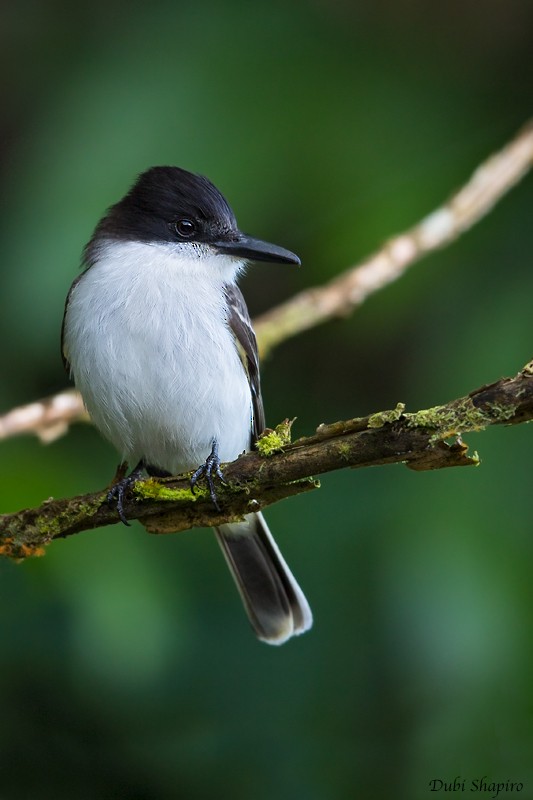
275 604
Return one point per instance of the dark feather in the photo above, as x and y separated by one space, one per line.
275 604
241 325
64 354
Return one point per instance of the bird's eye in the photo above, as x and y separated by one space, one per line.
185 228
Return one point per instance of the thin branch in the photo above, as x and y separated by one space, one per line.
490 182
281 469
50 418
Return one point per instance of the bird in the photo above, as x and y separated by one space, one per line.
158 340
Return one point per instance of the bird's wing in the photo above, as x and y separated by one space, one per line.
241 326
64 354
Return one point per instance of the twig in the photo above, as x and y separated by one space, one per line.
489 183
255 480
50 418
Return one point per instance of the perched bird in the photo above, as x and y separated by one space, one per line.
157 337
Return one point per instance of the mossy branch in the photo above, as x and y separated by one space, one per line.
281 469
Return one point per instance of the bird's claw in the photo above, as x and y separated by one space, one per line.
117 492
208 470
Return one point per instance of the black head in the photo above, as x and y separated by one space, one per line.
169 204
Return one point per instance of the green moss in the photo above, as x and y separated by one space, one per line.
457 418
272 442
49 527
344 451
500 412
151 489
87 509
382 417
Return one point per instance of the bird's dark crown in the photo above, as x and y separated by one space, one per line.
157 201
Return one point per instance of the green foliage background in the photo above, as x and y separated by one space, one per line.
127 669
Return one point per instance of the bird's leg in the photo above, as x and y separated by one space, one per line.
117 492
212 465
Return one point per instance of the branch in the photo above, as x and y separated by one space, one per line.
50 418
489 183
281 469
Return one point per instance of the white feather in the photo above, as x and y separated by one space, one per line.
151 352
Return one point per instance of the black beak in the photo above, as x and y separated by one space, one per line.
244 246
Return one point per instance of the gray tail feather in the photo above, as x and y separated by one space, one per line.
275 604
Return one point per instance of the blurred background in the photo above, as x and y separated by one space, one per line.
127 668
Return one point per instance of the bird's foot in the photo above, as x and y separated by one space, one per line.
117 492
209 470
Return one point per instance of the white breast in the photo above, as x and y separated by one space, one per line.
153 357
